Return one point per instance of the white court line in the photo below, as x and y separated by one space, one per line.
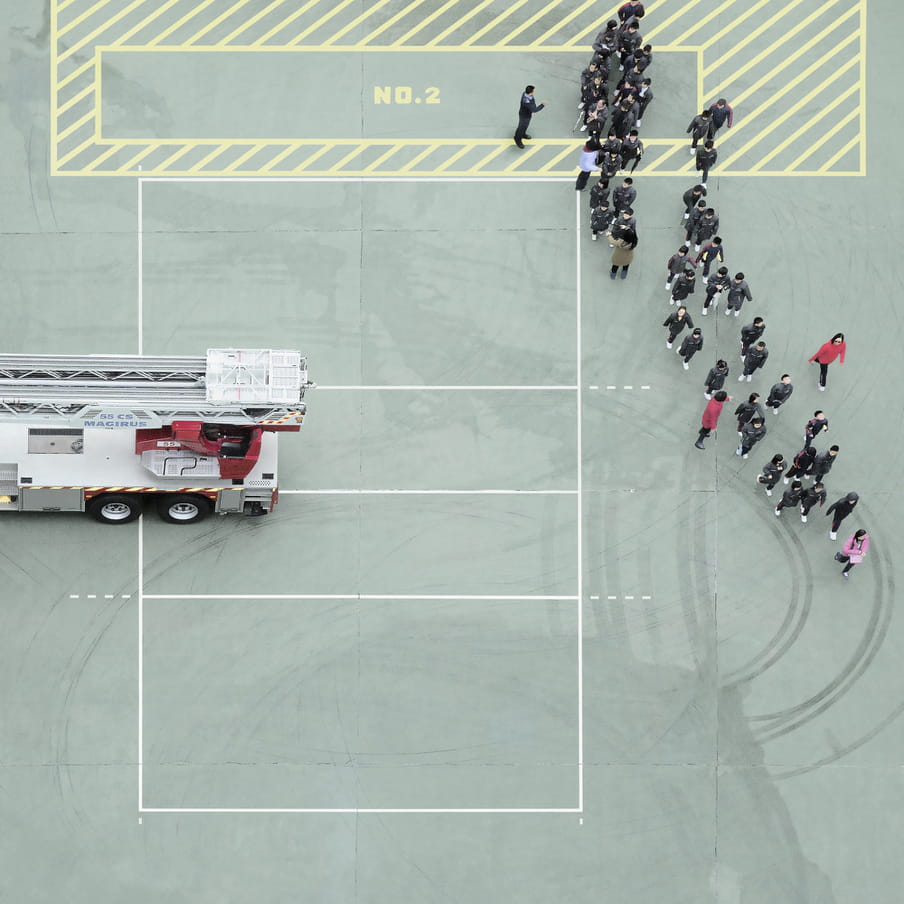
580 462
140 662
350 596
360 810
140 267
396 179
428 492
415 387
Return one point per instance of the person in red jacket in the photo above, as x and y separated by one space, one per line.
827 353
711 415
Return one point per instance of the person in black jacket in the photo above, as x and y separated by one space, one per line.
644 98
717 283
707 226
600 219
772 472
801 464
683 285
631 150
839 510
695 217
624 195
691 198
818 424
754 360
790 497
677 263
747 411
822 463
676 322
706 160
716 378
738 293
634 8
690 346
751 434
750 334
780 393
599 194
809 498
699 128
607 39
527 109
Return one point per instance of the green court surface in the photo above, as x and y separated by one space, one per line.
508 636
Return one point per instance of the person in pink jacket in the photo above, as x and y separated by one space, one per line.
711 414
827 353
854 551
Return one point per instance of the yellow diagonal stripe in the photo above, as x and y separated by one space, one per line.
255 18
382 158
144 23
493 23
458 23
454 158
826 136
75 99
418 158
530 21
830 163
284 23
718 11
85 67
194 11
210 26
682 10
733 24
76 125
424 23
355 22
81 18
563 22
324 18
75 151
246 156
134 161
101 28
391 21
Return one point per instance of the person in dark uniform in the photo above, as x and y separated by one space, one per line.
809 498
839 510
527 109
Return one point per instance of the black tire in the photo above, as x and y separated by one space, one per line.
182 508
115 508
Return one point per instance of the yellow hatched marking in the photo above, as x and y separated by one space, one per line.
492 24
454 158
355 22
315 156
143 23
828 136
346 158
210 26
392 21
519 160
594 28
208 157
548 166
74 75
256 18
101 28
458 23
75 151
179 23
862 82
675 147
807 125
105 156
383 157
76 125
733 25
282 156
246 156
418 158
65 5
75 99
173 158
732 55
682 10
718 11
137 158
798 105
830 163
789 86
324 18
289 19
530 21
563 22
81 18
491 156
425 22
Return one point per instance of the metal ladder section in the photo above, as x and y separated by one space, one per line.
237 386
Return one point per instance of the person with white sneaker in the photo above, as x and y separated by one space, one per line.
801 464
839 510
706 160
752 433
690 346
828 352
750 333
747 411
717 283
772 472
791 497
692 197
706 227
738 293
817 425
822 463
711 413
754 360
676 322
683 285
779 394
711 251
699 128
809 498
600 219
716 378
854 551
677 263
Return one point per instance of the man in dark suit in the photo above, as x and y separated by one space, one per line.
528 107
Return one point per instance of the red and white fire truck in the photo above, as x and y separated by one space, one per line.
102 434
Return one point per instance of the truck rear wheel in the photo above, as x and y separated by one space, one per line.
182 508
115 508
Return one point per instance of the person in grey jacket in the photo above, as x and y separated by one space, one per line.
772 472
676 322
822 463
839 510
677 263
809 498
691 198
750 333
706 227
802 463
738 293
683 285
600 219
706 160
695 217
747 411
717 283
751 434
790 497
699 128
716 378
690 346
599 192
780 393
754 360
624 195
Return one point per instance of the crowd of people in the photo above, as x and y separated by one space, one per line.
620 48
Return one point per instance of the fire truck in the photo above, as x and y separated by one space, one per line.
106 434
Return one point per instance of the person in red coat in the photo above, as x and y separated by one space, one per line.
827 353
711 415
